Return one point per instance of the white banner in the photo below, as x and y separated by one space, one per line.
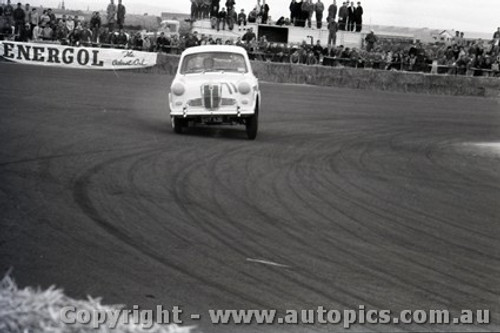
75 57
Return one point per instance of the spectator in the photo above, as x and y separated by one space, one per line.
230 5
318 50
199 11
358 13
343 16
8 13
70 23
252 16
137 42
45 19
249 36
34 18
258 7
281 21
121 39
351 24
162 43
27 13
86 35
95 26
295 11
104 36
120 14
194 10
308 9
25 34
77 20
61 32
239 42
47 33
221 18
206 8
332 29
37 33
264 10
19 16
52 16
232 18
111 15
75 35
192 39
215 8
496 37
147 45
320 8
242 20
370 40
332 11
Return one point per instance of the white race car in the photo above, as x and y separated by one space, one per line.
215 85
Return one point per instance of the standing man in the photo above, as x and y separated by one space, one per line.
19 16
343 15
320 8
351 24
120 14
332 36
207 4
370 40
194 10
8 13
308 9
496 37
27 13
293 11
34 18
359 17
264 12
95 26
332 11
230 5
111 15
221 18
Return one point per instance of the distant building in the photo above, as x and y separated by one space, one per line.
175 16
445 36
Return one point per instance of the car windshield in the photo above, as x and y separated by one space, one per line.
214 62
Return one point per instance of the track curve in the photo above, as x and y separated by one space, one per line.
360 198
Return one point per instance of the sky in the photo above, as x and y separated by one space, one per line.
462 15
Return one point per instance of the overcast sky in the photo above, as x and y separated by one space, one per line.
470 15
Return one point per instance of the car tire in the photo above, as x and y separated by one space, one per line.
178 124
252 126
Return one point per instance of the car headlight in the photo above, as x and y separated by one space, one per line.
178 89
244 88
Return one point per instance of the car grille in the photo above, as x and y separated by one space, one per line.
211 96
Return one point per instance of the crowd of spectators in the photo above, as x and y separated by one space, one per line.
458 56
302 12
350 17
25 23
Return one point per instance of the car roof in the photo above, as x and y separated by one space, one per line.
215 48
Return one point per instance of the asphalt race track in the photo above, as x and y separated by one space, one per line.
346 198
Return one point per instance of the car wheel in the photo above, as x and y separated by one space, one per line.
252 125
178 124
